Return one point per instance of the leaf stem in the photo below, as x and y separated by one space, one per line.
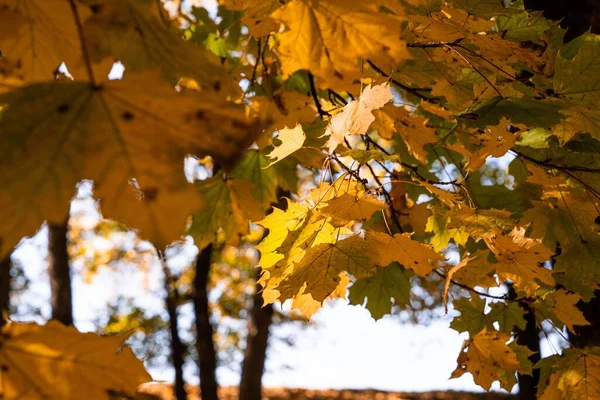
84 49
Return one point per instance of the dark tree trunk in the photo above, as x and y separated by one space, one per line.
588 335
575 16
255 354
177 347
205 345
60 274
529 338
5 265
260 321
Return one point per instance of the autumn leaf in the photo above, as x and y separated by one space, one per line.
130 136
385 249
472 318
348 207
256 15
523 27
279 223
508 315
388 283
124 30
484 8
309 306
321 265
573 375
576 70
253 168
560 307
522 257
357 116
578 119
487 357
414 132
493 142
50 27
229 205
81 364
364 156
478 223
474 270
312 41
291 140
442 235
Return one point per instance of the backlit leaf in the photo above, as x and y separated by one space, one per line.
314 30
357 116
487 357
130 136
56 361
385 249
291 140
388 283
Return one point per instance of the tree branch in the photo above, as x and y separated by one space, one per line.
414 91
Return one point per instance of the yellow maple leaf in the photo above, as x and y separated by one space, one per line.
127 30
256 15
348 207
309 306
49 28
130 136
574 375
447 197
321 266
291 140
521 257
284 108
566 311
357 116
494 142
385 249
279 223
315 30
488 358
414 131
57 362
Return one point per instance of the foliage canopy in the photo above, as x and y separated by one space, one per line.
405 131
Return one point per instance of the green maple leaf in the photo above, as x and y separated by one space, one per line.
388 283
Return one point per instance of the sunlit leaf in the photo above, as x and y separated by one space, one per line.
55 361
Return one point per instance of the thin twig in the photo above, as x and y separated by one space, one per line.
313 92
470 289
414 91
548 163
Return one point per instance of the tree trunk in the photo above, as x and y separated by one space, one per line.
530 338
177 347
60 274
4 288
588 335
207 356
255 353
261 317
575 16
